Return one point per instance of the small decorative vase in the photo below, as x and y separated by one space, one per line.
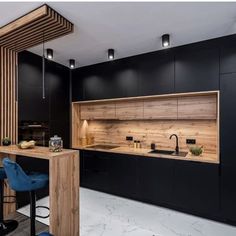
6 141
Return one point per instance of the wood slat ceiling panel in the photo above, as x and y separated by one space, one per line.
45 25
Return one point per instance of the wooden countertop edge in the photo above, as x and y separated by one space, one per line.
37 152
144 153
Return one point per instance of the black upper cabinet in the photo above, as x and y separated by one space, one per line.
155 180
196 187
31 104
156 73
107 80
77 86
196 69
227 118
228 58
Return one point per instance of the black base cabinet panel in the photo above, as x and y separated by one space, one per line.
183 185
155 180
228 193
196 187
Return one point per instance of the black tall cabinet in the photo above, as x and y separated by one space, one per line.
55 108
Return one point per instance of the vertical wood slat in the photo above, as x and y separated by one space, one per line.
8 110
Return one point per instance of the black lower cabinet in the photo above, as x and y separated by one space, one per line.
196 187
228 193
155 180
95 174
123 175
192 187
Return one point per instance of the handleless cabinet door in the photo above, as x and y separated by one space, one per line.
156 73
197 107
196 69
131 110
160 108
98 111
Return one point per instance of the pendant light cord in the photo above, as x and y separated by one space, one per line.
43 70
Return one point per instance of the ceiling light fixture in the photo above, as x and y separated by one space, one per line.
111 54
165 40
72 63
49 54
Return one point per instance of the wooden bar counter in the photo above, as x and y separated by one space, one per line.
63 186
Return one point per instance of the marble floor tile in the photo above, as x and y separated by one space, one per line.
107 215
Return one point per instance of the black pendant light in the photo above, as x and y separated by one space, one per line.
111 54
72 63
49 54
165 40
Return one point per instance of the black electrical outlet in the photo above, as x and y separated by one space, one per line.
129 138
191 141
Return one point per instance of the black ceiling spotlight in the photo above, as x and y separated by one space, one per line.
72 63
49 54
111 54
165 40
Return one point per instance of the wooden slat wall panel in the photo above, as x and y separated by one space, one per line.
8 104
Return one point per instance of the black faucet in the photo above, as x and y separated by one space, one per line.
177 143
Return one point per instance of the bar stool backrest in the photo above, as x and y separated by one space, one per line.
17 178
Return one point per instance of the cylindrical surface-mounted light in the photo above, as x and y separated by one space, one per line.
165 40
72 63
49 54
111 54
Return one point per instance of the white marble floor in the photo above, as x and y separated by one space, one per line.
106 215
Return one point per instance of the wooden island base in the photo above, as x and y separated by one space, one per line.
63 186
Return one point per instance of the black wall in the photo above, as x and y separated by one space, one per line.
55 108
203 66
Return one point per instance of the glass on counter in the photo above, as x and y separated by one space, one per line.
55 144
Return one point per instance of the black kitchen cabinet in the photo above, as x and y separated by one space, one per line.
59 93
77 86
31 104
156 73
196 187
106 80
155 180
227 118
123 175
228 192
228 58
196 69
96 170
55 108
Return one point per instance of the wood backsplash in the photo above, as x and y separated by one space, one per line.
157 131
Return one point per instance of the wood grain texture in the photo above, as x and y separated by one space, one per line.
157 131
197 107
99 111
132 110
63 186
64 195
8 104
181 107
164 108
9 207
42 24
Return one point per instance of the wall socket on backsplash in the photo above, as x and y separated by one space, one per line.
129 138
190 141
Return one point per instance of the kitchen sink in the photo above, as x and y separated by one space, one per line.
168 152
103 146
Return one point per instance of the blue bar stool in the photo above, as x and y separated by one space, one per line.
45 234
21 182
9 225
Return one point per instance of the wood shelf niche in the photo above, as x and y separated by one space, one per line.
150 118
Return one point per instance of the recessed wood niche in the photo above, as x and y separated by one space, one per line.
150 119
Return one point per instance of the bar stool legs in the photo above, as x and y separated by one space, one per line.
32 212
6 226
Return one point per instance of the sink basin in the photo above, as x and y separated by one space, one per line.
158 151
103 146
167 152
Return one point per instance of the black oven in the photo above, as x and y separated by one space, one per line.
34 130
